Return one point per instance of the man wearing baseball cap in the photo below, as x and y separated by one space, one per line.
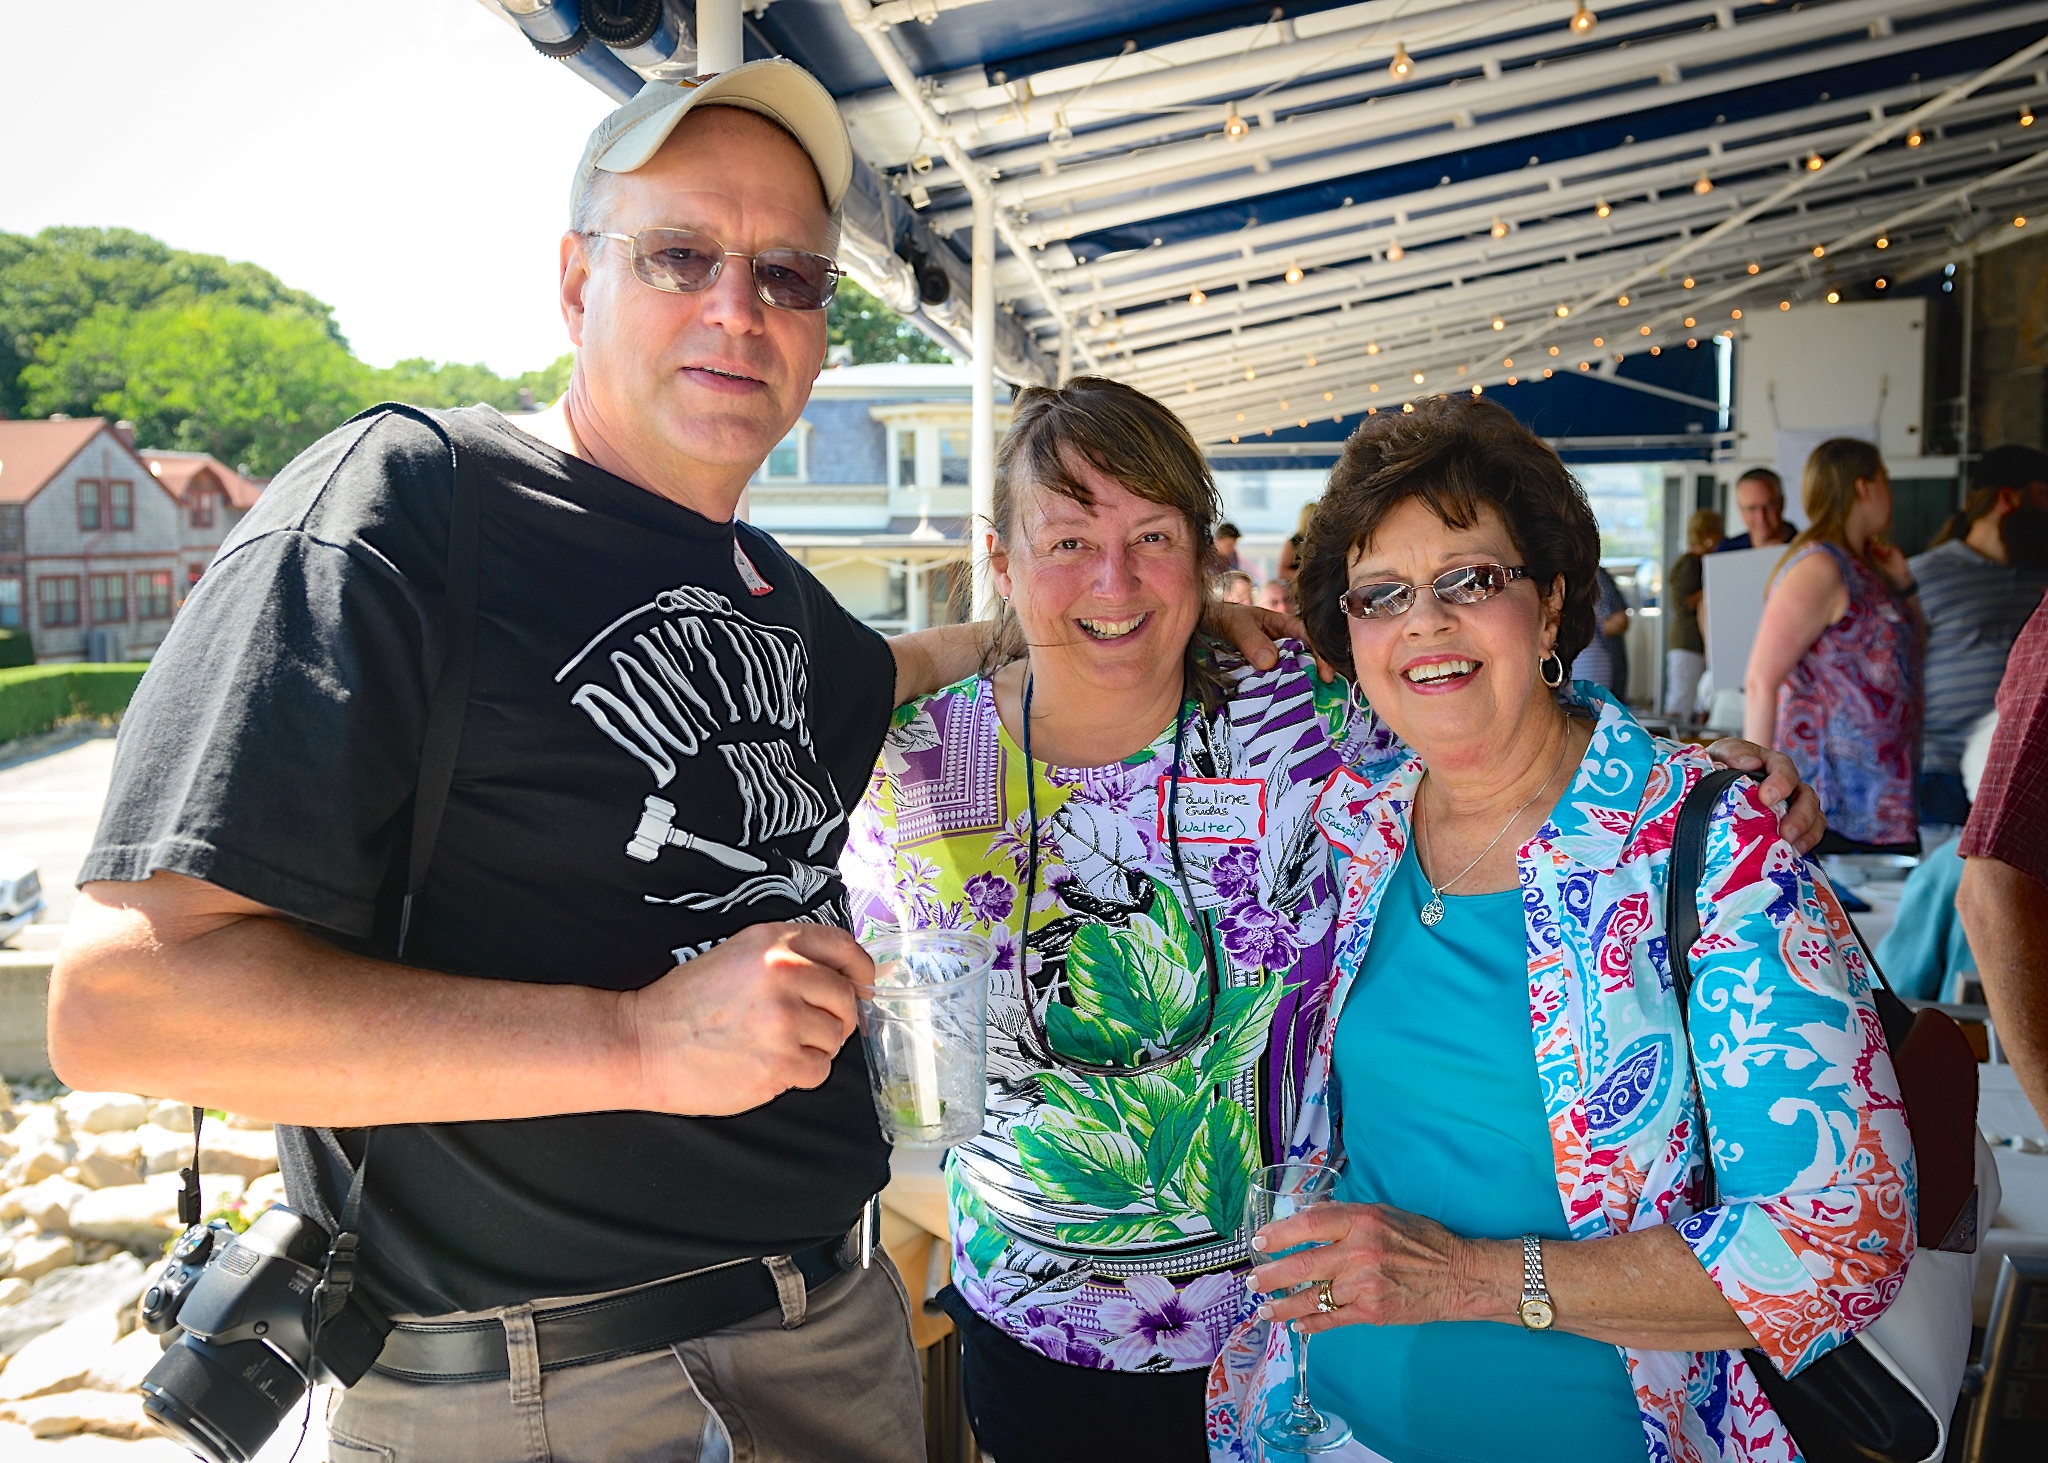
612 1133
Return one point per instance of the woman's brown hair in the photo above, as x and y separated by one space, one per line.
1129 438
1457 455
1827 491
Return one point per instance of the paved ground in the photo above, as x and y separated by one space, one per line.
49 806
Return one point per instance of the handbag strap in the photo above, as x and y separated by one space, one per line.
1682 927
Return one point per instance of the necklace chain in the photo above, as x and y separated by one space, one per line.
1433 912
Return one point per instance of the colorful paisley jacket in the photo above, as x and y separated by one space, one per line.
1815 1227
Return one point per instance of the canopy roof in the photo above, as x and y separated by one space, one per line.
1279 215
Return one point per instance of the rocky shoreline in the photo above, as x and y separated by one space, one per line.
88 1202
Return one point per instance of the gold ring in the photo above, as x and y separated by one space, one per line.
1325 1302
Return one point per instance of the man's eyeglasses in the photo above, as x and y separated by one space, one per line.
685 262
1471 585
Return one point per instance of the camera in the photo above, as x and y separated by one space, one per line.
244 1335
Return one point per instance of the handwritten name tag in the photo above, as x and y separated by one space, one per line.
1216 809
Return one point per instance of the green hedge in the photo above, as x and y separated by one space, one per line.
35 698
16 648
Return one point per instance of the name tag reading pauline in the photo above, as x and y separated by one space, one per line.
1216 809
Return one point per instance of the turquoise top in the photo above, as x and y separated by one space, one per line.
1442 1116
1925 951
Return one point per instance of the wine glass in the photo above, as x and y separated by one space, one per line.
1277 1191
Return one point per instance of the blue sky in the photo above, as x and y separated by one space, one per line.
407 161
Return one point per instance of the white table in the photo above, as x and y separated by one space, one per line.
2021 1224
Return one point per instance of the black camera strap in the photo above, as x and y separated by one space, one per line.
430 797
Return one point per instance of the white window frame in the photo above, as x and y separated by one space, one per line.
799 436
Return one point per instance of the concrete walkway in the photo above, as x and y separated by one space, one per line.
50 802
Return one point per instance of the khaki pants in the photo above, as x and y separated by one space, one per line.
843 1385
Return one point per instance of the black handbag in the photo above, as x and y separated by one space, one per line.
1849 1406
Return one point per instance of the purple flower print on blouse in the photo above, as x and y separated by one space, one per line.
1235 874
1053 1335
1157 1320
1255 936
991 897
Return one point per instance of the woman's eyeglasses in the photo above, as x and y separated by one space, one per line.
1473 584
685 262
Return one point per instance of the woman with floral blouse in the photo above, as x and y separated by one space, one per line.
1155 998
1502 1073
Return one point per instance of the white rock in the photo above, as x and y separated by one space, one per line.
48 1203
35 1162
36 1255
110 1414
147 1213
262 1193
240 1151
177 1116
123 1368
105 1171
60 1360
164 1151
13 1288
103 1112
39 1124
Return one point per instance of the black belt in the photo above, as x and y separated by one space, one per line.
599 1330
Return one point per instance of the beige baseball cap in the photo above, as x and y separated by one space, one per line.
779 90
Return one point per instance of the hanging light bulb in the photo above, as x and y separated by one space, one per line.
1095 316
1689 322
1500 230
1704 186
1583 20
1477 389
1623 302
1403 65
1196 297
1283 404
1820 251
1499 324
1062 136
1293 272
1191 387
2026 116
1601 208
1755 268
1329 396
1553 350
1234 126
1372 347
1814 161
1784 304
1233 435
1914 139
1643 330
1687 281
1834 297
1509 362
2020 222
1883 242
1418 378
1251 373
1240 416
1563 310
1394 251
1598 342
1311 361
1734 314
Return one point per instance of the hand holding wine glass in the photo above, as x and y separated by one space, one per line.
1281 1191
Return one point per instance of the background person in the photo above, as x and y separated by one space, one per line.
1685 646
1926 952
1604 661
1760 499
1984 576
1525 1096
1834 673
2003 895
1234 586
1223 557
669 1029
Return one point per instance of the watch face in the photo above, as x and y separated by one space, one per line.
1536 1313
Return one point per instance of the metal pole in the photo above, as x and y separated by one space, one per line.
720 40
981 437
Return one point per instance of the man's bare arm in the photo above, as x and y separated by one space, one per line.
931 660
176 987
2005 915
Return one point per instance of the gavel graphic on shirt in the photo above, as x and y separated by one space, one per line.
658 830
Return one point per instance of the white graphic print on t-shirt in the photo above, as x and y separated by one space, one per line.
687 670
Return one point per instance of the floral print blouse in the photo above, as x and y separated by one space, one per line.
1814 1230
1100 1220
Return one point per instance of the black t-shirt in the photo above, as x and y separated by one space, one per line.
668 722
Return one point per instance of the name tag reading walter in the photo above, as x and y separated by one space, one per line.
1216 809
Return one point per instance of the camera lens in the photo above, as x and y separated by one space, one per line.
222 1402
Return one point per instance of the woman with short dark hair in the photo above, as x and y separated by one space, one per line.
1519 1265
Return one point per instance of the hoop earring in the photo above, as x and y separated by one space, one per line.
1543 669
1356 702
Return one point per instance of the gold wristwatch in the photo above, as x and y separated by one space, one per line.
1536 1310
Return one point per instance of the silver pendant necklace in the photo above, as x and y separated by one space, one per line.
1433 911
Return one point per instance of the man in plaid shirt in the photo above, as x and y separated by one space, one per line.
2003 898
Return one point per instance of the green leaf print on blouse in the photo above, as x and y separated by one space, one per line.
1165 1153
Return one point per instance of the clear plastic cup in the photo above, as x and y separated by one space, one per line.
924 1025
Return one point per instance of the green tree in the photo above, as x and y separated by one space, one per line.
52 282
876 333
249 386
428 383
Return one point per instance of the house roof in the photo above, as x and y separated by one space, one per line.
181 471
31 453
